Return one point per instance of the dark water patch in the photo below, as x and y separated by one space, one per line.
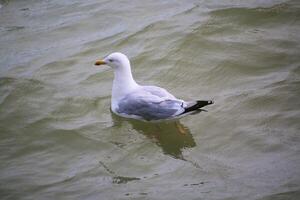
136 195
195 184
11 28
123 179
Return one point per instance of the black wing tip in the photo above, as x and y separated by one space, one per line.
204 103
199 104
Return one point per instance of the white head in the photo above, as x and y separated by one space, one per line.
114 60
123 80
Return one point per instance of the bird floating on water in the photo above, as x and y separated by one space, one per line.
147 103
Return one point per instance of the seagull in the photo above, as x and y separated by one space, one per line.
146 103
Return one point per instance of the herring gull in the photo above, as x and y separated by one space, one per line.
147 103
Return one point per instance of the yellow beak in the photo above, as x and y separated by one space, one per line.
100 62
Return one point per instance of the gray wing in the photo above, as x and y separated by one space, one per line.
148 106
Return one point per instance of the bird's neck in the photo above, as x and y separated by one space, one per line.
123 83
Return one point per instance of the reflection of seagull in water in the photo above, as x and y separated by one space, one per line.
166 135
147 103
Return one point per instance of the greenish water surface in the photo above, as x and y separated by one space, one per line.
59 139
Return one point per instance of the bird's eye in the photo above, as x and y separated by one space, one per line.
110 60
